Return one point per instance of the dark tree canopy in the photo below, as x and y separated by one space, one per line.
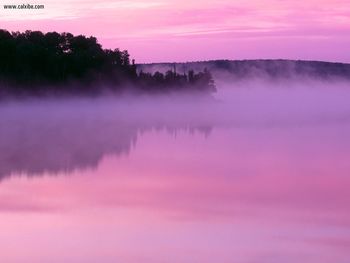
201 81
33 61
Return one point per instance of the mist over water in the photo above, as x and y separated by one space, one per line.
257 173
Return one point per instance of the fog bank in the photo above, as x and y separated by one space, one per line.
61 135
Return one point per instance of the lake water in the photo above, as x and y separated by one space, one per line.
256 176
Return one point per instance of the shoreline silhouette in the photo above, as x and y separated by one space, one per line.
37 63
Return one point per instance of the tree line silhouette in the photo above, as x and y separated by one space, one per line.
33 61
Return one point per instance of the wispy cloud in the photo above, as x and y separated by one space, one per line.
186 20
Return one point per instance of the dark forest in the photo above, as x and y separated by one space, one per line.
34 62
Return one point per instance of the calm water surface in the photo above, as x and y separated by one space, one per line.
257 186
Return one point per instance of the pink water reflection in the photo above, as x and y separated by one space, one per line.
238 195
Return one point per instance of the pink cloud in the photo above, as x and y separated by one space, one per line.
147 26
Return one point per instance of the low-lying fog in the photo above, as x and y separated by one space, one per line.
257 173
38 135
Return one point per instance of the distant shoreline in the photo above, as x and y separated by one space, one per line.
264 68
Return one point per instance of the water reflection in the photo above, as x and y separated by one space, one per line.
191 183
53 138
244 194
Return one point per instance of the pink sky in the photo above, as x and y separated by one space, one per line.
187 30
